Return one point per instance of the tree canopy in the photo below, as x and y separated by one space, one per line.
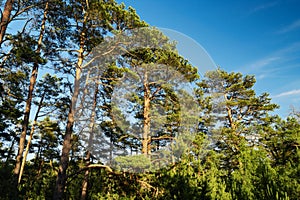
97 104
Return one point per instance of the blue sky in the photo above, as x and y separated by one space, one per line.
253 37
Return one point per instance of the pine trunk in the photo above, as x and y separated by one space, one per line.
5 18
146 114
64 159
90 143
33 78
30 138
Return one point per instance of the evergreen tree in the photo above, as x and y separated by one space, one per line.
236 111
88 23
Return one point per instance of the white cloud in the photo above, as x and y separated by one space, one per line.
261 76
291 27
264 6
288 93
268 63
259 65
264 62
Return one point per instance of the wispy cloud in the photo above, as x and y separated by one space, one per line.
264 6
261 76
273 62
288 93
260 65
294 47
264 62
293 26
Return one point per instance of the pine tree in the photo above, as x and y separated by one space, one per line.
88 23
48 90
236 111
150 93
37 60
